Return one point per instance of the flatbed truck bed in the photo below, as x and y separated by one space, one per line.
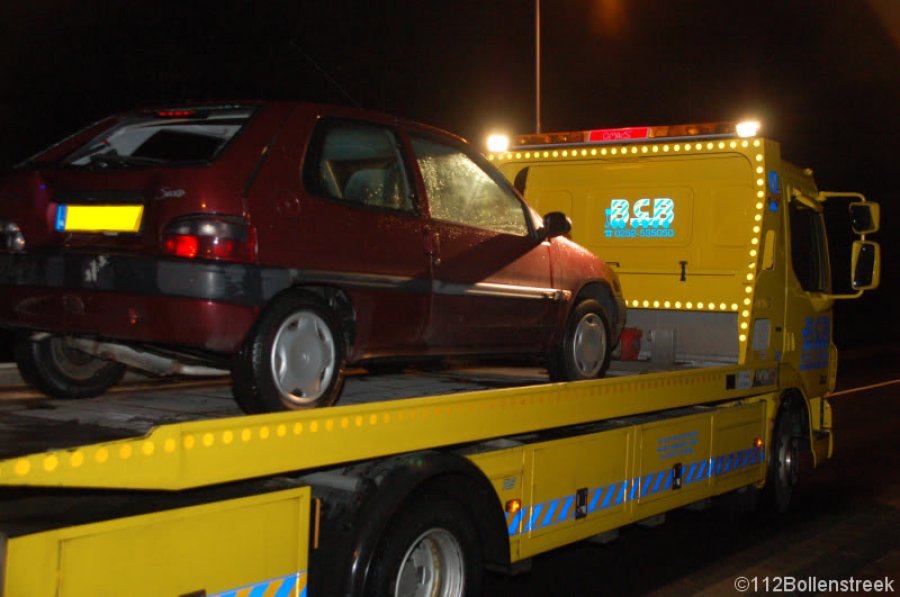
32 423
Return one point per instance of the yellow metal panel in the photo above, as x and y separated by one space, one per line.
735 462
259 542
505 469
665 444
597 463
594 462
103 218
627 474
216 451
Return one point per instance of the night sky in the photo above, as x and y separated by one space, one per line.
823 77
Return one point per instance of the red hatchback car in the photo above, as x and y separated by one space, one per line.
283 242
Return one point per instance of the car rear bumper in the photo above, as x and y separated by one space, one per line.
131 298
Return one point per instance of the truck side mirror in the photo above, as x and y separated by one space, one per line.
864 217
556 223
866 265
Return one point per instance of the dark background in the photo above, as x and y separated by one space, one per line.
823 77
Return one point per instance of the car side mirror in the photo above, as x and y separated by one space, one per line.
864 217
866 265
556 223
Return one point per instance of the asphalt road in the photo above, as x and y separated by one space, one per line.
844 521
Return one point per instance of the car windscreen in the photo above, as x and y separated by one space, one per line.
164 137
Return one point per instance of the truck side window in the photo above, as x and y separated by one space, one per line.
359 164
460 191
808 251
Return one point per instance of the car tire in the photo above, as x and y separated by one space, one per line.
293 360
430 548
63 372
584 351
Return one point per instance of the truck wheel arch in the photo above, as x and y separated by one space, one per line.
795 403
386 488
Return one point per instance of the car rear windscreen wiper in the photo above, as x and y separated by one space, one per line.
106 160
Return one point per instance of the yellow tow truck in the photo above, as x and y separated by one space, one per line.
721 247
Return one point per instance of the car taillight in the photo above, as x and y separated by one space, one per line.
217 237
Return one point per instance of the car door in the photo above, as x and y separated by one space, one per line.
358 226
492 288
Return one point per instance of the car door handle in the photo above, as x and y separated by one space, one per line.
559 296
433 246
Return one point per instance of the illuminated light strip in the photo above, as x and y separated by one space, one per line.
627 150
754 253
549 513
683 306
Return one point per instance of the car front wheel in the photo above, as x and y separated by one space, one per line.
293 360
60 371
584 350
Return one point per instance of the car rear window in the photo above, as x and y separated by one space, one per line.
163 137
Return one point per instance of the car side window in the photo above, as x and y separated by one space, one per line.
462 192
360 164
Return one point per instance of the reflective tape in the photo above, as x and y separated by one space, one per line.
559 510
292 585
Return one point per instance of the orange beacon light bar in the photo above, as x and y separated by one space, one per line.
641 133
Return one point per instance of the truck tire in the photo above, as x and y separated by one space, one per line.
584 351
62 372
783 472
430 549
293 360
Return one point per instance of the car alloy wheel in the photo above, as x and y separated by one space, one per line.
303 358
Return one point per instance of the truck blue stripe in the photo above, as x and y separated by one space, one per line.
609 494
551 511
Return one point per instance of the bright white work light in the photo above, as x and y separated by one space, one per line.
747 128
497 143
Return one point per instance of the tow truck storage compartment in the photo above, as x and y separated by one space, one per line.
210 549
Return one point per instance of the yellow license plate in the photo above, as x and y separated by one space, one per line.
99 218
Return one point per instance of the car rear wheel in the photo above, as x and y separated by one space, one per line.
63 372
293 360
584 350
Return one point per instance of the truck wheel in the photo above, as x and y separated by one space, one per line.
432 549
62 372
784 465
293 360
585 347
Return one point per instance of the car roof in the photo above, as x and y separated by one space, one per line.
313 109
